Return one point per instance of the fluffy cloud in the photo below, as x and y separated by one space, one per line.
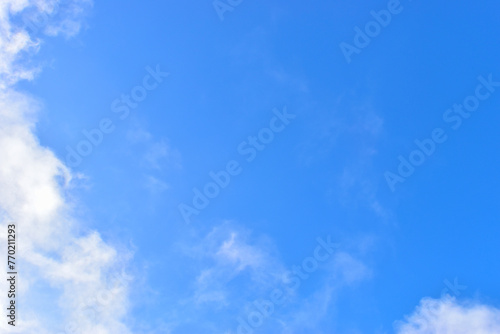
72 281
19 41
448 316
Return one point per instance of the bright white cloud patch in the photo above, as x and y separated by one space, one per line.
448 316
21 21
72 282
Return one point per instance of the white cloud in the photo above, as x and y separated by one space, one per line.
233 268
156 154
448 316
229 253
155 185
343 270
18 41
72 281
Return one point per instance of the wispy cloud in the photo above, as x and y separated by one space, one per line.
356 125
159 151
308 312
237 270
157 154
229 252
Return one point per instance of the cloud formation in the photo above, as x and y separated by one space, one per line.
56 255
447 315
234 270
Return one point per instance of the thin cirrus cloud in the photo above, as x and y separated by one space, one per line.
234 269
227 253
84 274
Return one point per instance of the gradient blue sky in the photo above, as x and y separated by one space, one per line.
324 174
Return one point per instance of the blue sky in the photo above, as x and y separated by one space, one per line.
295 142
